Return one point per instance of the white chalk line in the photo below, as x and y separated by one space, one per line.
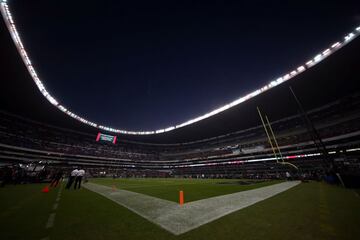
180 219
55 206
51 219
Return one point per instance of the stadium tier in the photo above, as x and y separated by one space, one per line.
232 143
245 153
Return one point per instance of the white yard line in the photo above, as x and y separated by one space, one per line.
55 206
51 219
50 222
180 219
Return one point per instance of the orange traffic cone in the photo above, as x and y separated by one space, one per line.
45 189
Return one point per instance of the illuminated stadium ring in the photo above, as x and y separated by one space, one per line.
16 38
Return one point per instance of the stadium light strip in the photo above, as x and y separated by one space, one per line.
25 57
248 161
262 159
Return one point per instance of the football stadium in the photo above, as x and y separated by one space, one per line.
279 162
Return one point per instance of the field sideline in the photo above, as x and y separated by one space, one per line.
307 211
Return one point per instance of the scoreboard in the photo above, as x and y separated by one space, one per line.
106 138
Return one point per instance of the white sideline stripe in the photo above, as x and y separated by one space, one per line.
50 222
180 219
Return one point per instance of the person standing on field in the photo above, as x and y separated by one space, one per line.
72 177
80 175
288 176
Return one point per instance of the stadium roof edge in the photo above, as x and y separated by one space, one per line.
291 74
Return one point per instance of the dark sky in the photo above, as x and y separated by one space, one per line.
145 65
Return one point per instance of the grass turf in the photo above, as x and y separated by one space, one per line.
24 211
307 211
194 189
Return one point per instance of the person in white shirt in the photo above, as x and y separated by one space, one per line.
78 179
72 177
288 176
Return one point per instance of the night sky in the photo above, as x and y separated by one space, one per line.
144 65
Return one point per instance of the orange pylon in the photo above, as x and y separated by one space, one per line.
181 198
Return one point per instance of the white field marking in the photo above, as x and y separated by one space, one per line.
51 219
59 194
180 219
55 206
50 222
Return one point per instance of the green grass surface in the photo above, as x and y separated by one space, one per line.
307 211
194 189
24 211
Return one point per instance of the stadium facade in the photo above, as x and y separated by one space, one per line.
229 142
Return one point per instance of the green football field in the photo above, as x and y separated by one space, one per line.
194 189
307 211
